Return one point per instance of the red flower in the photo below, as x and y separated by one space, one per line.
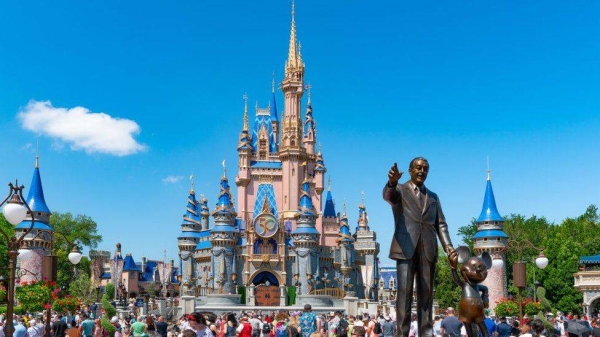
47 306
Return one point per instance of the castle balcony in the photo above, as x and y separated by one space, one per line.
587 279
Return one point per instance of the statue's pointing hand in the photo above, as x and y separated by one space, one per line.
452 256
394 175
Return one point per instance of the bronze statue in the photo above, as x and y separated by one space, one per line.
474 299
418 220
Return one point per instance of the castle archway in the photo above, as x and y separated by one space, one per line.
266 291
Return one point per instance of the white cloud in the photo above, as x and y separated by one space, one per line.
82 129
172 179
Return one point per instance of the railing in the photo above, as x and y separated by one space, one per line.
203 291
333 292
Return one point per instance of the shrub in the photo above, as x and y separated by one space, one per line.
506 307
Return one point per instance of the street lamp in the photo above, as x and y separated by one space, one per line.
49 267
520 278
15 212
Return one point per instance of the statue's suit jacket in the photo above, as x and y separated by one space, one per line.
414 222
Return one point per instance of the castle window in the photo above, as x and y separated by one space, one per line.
262 147
381 283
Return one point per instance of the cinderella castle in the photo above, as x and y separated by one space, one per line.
280 241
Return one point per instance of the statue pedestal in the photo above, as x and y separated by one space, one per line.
223 299
351 305
188 304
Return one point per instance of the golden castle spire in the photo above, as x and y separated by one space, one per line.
245 97
294 58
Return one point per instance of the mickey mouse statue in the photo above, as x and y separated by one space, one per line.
474 297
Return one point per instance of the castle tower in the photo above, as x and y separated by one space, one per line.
190 235
273 111
292 154
366 245
346 245
224 236
491 238
98 259
330 222
39 240
116 268
306 241
310 130
245 153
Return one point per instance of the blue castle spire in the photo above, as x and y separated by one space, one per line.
329 210
489 212
192 214
224 212
306 213
35 198
273 112
37 203
320 167
345 234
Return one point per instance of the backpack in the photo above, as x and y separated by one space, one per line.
266 329
281 330
377 328
342 329
292 331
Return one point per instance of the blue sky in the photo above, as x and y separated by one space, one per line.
452 81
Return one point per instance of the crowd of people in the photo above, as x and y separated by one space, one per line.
306 323
83 324
284 323
559 325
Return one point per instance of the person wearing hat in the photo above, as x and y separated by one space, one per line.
388 328
244 329
308 321
332 323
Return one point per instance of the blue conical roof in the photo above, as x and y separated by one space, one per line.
329 206
273 109
192 216
35 198
489 212
129 264
305 204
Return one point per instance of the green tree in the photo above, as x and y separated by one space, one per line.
447 293
81 288
109 291
81 229
468 233
566 243
110 312
9 231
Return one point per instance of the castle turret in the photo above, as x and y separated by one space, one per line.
490 237
223 237
39 240
367 246
346 245
274 117
190 235
306 239
291 153
330 223
310 132
244 150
